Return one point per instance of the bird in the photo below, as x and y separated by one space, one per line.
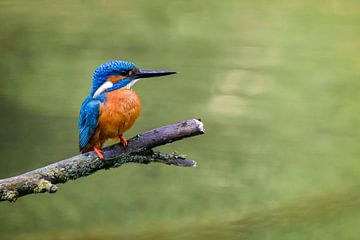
112 106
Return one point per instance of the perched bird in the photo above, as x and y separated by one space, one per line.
112 107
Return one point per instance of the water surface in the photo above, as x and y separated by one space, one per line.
276 84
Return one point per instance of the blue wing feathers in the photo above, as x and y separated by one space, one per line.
88 120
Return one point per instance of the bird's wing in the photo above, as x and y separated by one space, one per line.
88 120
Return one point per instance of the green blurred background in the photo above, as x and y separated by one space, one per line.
275 82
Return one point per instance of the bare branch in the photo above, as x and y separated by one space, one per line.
139 150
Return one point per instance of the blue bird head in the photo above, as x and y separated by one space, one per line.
117 74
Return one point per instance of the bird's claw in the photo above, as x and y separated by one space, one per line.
123 141
99 153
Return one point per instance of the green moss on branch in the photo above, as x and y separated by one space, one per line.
139 150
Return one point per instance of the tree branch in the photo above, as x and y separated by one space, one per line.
139 150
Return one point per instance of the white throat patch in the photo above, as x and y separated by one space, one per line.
132 83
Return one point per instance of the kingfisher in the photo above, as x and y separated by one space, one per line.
112 106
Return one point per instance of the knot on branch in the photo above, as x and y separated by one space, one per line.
45 186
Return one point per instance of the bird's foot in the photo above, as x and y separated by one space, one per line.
123 141
99 153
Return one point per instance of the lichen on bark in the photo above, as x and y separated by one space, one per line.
139 150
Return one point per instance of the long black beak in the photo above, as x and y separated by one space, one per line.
152 73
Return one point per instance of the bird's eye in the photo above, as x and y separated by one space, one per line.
124 73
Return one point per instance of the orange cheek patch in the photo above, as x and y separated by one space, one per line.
115 79
134 71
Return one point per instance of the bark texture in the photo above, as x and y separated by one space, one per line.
139 150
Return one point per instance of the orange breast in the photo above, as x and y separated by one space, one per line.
117 115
